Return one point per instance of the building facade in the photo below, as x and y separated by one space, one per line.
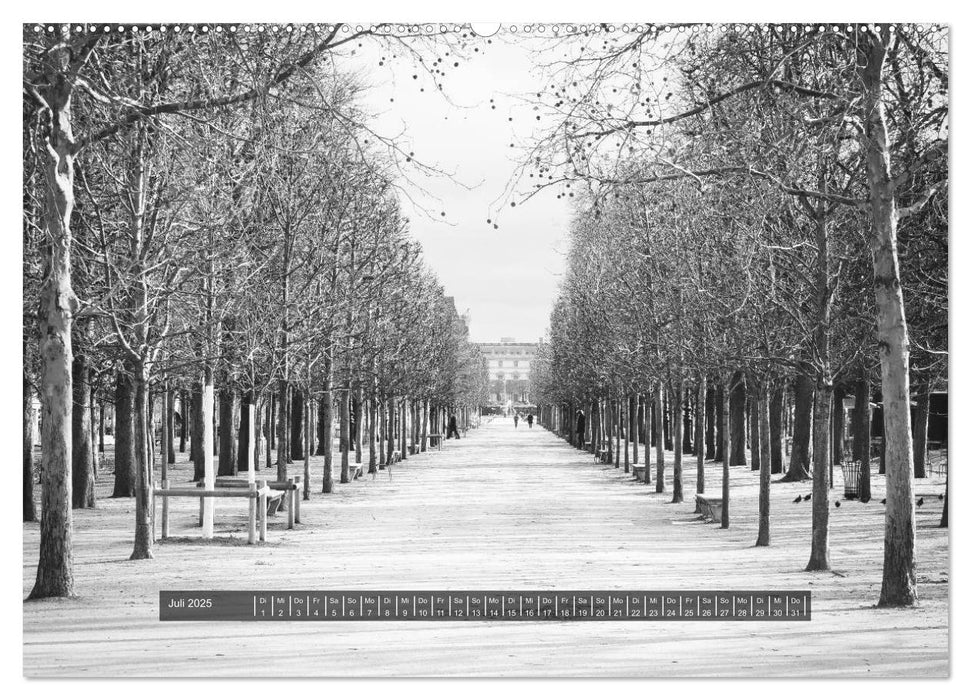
509 364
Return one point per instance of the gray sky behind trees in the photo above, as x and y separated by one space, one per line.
505 277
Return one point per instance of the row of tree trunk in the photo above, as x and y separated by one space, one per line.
387 424
726 416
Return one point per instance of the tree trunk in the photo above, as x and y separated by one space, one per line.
668 430
345 434
899 570
775 427
30 510
736 409
227 444
321 428
424 426
215 424
143 467
726 445
947 489
245 454
272 419
819 555
55 570
403 432
327 414
625 408
372 436
659 436
164 438
184 410
101 427
358 423
687 446
857 417
307 433
921 416
124 437
150 428
822 411
283 430
618 430
296 425
95 455
195 449
206 410
862 419
646 405
415 425
883 443
700 431
257 432
760 405
678 441
169 422
799 469
755 449
711 420
269 431
839 423
82 454
389 442
720 422
381 428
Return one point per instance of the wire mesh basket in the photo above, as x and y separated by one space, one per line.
851 479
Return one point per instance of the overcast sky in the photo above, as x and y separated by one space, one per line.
507 277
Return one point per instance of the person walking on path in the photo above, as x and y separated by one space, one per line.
515 420
581 428
453 428
529 420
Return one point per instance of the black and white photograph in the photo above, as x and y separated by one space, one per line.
496 350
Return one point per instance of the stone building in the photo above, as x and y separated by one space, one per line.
509 367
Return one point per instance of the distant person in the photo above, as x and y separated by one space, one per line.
529 420
453 429
581 428
515 420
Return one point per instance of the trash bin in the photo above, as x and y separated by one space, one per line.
851 479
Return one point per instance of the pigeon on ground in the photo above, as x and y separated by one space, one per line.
920 501
837 504
940 496
806 498
883 502
798 499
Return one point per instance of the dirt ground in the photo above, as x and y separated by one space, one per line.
504 508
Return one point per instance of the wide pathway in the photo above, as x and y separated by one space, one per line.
504 508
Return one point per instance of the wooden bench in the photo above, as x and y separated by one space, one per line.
710 507
381 467
395 456
436 440
603 455
278 490
356 471
639 471
258 496
413 449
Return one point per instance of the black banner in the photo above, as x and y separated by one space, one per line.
508 606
